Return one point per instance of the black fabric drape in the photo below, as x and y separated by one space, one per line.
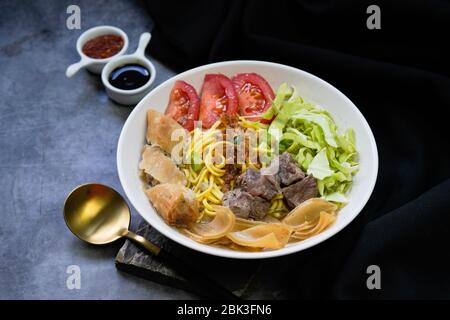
399 78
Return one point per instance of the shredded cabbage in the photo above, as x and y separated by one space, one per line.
311 136
319 167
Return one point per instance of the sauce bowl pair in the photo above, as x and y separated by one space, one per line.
107 65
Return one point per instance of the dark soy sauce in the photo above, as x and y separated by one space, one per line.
129 76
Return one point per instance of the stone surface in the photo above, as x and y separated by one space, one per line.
56 133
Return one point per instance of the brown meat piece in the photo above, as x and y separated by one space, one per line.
258 185
244 205
288 169
260 207
240 202
300 191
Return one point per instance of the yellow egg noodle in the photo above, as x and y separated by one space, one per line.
206 182
205 148
277 207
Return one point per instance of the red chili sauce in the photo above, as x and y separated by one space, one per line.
103 47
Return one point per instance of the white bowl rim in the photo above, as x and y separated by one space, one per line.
207 249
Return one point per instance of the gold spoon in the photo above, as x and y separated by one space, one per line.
98 214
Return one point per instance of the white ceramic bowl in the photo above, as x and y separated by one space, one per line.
310 87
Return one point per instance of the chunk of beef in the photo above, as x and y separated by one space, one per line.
288 169
258 185
260 207
300 191
244 205
240 202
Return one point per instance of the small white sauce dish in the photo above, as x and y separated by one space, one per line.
92 64
130 97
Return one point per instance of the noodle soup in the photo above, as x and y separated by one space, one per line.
244 168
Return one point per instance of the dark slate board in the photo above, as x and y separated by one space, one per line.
235 275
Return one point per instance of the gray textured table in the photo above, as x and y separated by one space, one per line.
55 134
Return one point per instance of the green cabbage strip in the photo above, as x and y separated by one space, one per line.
311 136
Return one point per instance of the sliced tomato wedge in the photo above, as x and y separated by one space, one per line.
218 97
184 104
254 95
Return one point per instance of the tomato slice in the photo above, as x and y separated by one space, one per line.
254 94
218 97
184 104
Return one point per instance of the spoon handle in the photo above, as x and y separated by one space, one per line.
147 245
204 285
